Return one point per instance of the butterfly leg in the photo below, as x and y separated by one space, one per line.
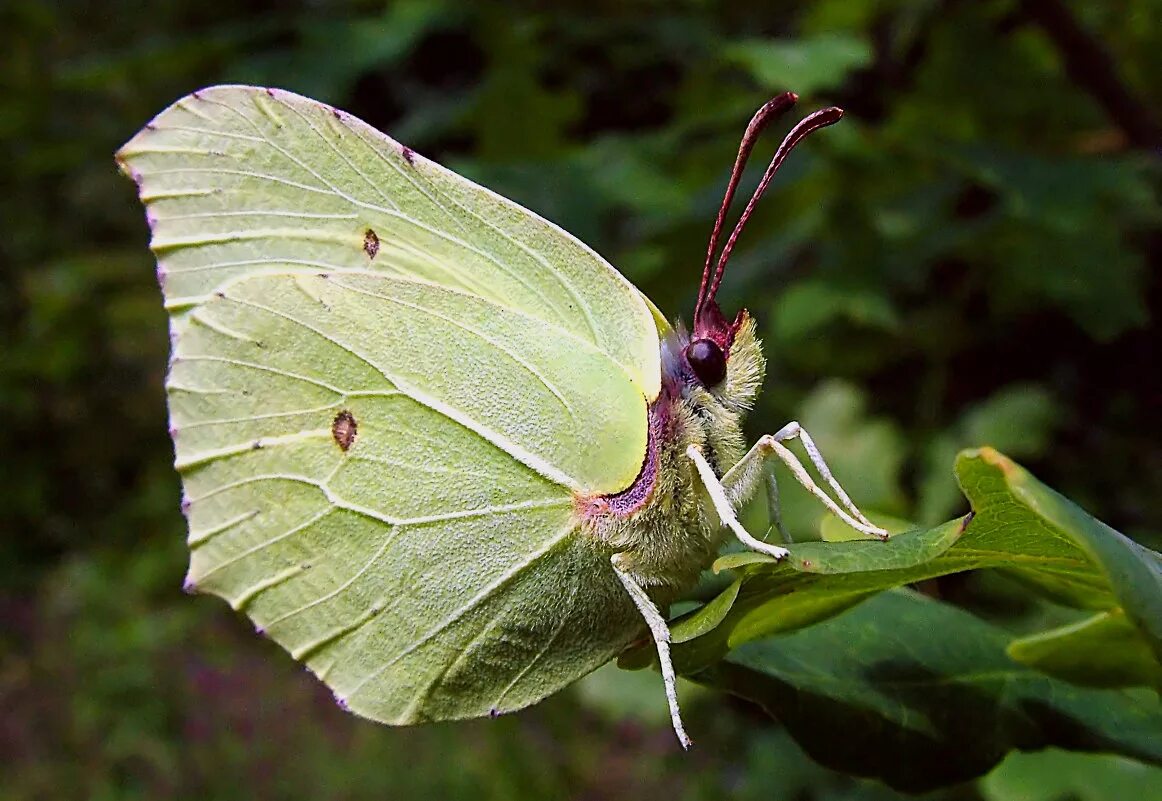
661 634
741 480
774 510
749 474
793 430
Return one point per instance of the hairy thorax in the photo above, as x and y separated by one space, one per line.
663 524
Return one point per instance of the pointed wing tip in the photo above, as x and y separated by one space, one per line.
120 159
124 154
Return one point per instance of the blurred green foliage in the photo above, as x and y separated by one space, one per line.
972 257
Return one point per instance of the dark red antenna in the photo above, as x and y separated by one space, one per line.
772 109
708 320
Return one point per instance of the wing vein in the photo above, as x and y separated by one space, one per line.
541 653
498 345
335 190
388 537
254 262
208 132
262 367
266 543
245 174
471 604
529 459
298 215
253 418
450 216
338 153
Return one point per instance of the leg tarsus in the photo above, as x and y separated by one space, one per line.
661 635
801 475
793 430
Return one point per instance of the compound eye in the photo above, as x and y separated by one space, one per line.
707 361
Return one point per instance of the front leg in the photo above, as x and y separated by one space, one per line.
724 508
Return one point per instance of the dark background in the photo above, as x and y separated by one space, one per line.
972 256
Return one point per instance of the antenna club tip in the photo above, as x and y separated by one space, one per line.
824 117
774 107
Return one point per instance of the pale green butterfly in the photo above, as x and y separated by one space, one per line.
430 443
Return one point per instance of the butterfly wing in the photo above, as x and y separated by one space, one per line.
387 386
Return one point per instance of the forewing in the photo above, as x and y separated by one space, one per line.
412 555
239 180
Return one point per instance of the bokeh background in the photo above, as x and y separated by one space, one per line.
972 256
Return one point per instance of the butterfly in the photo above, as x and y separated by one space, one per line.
431 444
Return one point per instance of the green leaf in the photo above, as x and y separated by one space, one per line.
707 617
921 694
1019 525
810 305
1105 650
807 65
818 580
1052 775
1065 543
903 674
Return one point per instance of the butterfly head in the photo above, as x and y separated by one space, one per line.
722 354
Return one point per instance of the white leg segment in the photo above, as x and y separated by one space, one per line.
661 635
791 431
723 508
741 481
801 475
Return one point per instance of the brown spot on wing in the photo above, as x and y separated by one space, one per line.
344 429
370 243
